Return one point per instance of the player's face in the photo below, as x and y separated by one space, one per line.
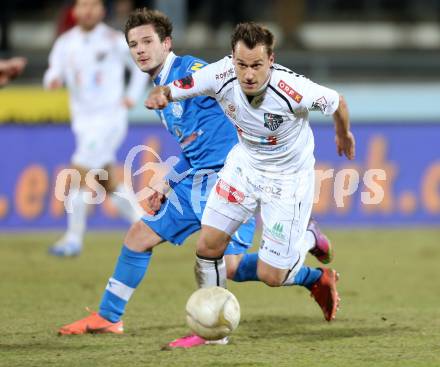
88 13
252 67
147 50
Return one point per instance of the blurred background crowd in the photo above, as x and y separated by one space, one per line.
333 39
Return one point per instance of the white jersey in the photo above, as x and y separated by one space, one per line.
92 66
273 127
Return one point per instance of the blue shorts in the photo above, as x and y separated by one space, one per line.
180 216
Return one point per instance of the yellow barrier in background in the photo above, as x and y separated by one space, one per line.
33 105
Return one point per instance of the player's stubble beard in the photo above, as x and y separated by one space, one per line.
155 71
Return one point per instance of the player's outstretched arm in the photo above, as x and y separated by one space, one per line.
345 143
158 98
11 68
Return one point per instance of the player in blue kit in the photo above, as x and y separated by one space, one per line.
205 144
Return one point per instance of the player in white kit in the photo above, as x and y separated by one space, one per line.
90 59
271 168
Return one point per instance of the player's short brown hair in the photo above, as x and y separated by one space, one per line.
160 22
253 34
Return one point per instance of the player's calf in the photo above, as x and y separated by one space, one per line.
271 276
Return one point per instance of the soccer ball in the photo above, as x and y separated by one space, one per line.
212 313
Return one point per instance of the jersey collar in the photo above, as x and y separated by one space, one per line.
163 75
99 28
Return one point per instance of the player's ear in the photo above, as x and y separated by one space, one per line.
271 59
167 42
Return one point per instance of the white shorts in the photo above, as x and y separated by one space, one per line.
98 138
285 203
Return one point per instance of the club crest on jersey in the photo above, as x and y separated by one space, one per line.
272 121
185 83
177 109
292 93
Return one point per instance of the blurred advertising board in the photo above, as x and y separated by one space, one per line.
394 180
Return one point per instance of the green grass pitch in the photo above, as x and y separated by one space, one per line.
390 311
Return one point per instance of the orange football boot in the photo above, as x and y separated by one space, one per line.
92 324
325 293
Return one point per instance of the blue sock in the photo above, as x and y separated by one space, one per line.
307 276
129 272
247 269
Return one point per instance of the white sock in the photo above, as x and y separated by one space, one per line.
76 219
310 240
128 209
210 272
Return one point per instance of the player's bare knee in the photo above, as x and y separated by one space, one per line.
141 238
212 244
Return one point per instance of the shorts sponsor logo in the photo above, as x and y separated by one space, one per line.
272 251
231 194
292 93
185 83
277 232
272 121
264 247
271 190
196 66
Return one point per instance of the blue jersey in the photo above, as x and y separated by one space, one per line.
206 136
203 131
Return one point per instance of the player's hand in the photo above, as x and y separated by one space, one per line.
16 66
155 201
345 144
128 102
55 84
158 98
11 68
